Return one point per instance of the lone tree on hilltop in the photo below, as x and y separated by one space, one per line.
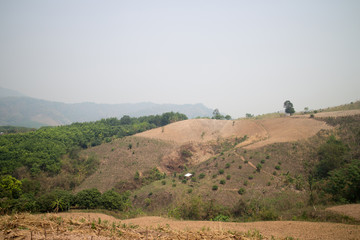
217 115
289 107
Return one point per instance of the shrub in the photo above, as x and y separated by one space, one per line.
277 167
246 183
190 190
222 181
258 167
214 187
174 185
221 171
163 182
186 153
262 161
202 175
184 181
246 161
251 177
221 218
137 176
241 191
147 202
240 167
228 177
227 165
267 156
214 175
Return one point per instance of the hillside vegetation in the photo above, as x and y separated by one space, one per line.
244 170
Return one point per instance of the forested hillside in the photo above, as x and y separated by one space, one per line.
40 154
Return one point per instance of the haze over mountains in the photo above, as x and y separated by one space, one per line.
19 110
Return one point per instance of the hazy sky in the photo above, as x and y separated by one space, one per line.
238 56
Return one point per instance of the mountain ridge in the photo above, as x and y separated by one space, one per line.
19 110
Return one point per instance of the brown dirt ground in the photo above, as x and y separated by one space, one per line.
259 132
351 210
278 229
331 114
87 226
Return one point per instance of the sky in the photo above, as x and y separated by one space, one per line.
238 56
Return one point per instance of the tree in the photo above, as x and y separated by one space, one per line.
88 198
227 117
331 156
289 107
10 187
249 115
217 115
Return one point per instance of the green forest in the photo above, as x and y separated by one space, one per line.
27 154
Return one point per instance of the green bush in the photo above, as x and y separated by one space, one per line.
221 218
202 175
221 171
112 200
214 187
277 167
228 177
88 198
258 167
241 191
222 181
227 165
331 156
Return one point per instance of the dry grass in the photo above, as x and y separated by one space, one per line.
99 226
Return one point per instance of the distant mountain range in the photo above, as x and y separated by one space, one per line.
17 109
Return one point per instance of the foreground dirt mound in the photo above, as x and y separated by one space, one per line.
259 132
276 229
351 210
100 226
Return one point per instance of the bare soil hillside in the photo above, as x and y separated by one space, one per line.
351 210
259 132
122 158
100 226
341 113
